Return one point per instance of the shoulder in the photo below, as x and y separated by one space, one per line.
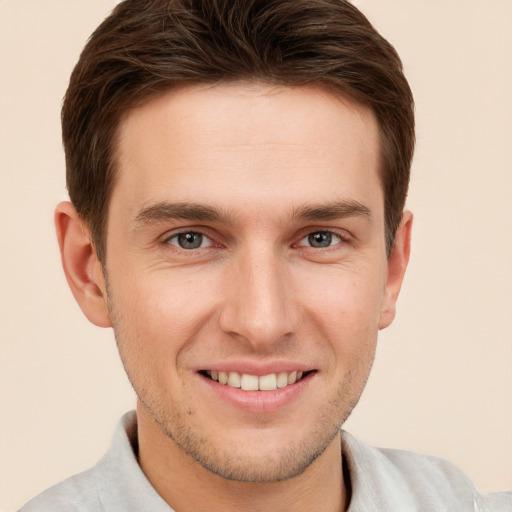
76 494
116 482
407 481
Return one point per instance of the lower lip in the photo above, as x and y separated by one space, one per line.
259 401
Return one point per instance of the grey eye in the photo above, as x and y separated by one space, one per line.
320 240
190 240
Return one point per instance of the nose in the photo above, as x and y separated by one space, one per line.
259 304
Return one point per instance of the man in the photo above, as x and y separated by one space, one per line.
237 174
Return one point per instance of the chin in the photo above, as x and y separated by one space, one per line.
267 458
265 467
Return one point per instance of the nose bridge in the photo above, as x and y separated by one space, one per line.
259 305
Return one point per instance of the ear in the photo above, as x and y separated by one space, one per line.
81 265
397 264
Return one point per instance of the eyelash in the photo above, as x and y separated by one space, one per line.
176 236
343 239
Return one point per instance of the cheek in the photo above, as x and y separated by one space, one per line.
344 297
344 307
160 312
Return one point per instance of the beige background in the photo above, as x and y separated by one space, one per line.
442 383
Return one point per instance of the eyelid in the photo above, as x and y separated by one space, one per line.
166 239
343 236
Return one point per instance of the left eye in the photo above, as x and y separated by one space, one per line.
320 239
190 240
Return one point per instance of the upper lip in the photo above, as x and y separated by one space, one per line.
257 368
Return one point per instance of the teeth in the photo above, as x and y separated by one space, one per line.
282 380
248 382
234 379
268 382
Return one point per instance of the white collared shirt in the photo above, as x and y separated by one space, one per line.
380 480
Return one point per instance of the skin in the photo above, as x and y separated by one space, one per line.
254 170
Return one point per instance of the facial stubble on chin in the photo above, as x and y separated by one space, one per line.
232 463
282 464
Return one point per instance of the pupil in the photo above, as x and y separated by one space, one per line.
190 240
320 239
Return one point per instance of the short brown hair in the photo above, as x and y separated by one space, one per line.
146 47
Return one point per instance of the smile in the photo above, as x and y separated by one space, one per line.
248 382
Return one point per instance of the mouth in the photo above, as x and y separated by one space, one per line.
248 382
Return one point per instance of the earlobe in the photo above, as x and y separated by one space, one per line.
397 265
81 265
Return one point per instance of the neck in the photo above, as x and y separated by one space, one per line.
188 487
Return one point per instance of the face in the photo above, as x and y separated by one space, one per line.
247 271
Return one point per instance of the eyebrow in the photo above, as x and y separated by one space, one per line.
336 210
161 212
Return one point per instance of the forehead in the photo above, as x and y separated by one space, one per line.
252 141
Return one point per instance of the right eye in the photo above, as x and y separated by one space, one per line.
189 240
